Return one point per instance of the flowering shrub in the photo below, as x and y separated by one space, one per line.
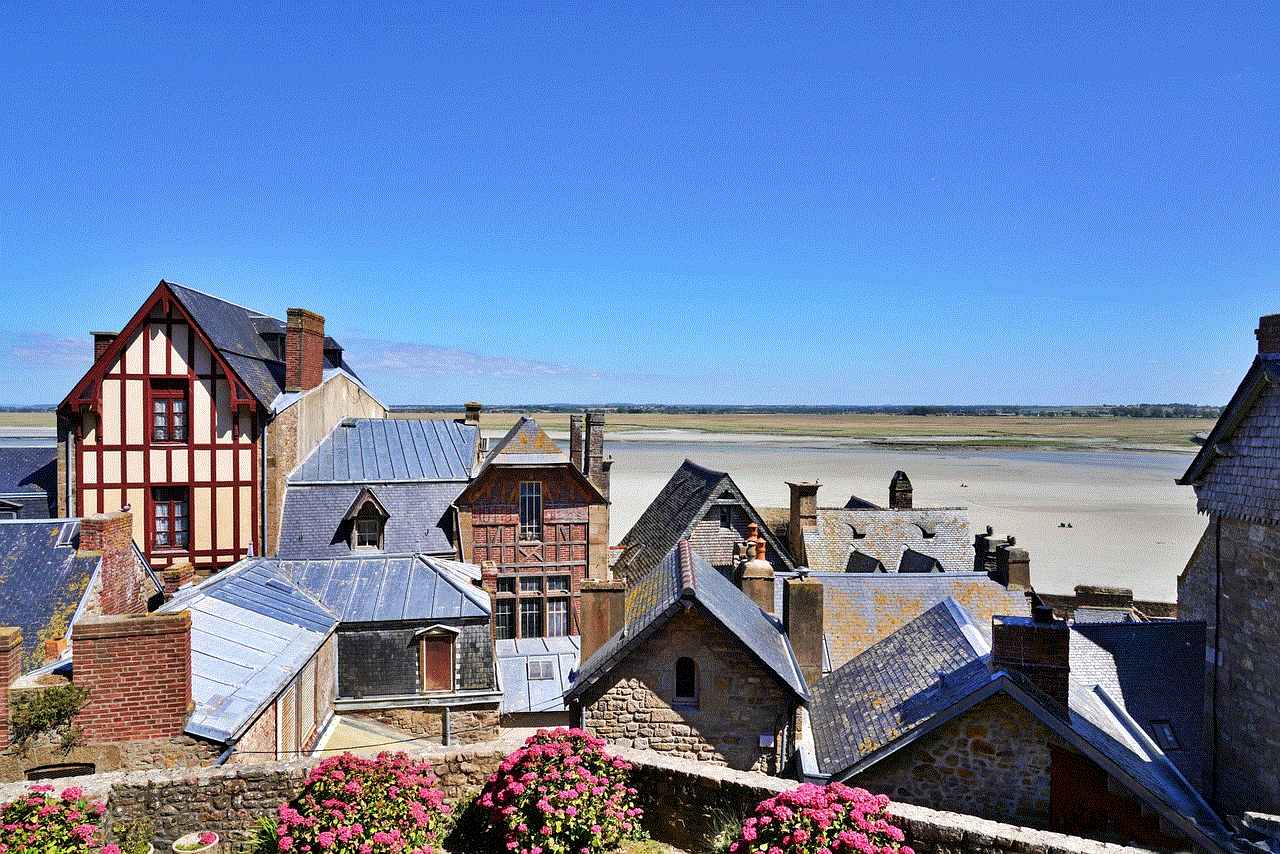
831 819
351 805
39 822
562 794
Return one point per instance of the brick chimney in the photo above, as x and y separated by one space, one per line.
804 514
138 672
123 582
603 613
472 417
303 350
10 669
1037 646
900 491
1268 333
176 577
802 615
577 450
1013 566
101 341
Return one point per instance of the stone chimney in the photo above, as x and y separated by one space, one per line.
603 613
101 341
756 579
1038 646
10 669
900 491
595 452
577 450
472 418
802 615
804 514
138 672
985 547
303 350
1268 333
123 582
1013 566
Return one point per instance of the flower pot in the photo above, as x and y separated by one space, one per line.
198 843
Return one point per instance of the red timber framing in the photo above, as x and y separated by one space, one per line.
163 355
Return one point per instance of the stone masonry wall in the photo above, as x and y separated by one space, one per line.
467 724
738 700
1247 740
681 800
991 761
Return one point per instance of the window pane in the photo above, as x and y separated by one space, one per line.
531 585
557 617
558 584
504 619
531 618
686 680
530 510
506 585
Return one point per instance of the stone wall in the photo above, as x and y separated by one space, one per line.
467 724
682 800
157 753
737 700
992 761
1246 556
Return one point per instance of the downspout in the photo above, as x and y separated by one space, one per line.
1217 653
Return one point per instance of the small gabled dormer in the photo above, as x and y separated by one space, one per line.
366 520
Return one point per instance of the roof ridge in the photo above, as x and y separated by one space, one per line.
688 580
691 464
173 285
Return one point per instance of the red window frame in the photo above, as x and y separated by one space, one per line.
170 518
170 411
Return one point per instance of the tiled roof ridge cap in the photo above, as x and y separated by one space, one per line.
220 299
688 582
688 463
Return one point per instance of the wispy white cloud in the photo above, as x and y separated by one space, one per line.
41 350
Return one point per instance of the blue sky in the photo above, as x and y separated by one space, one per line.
728 203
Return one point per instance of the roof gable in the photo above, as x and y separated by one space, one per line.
678 507
525 444
1237 470
684 579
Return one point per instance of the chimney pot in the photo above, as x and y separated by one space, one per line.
1268 333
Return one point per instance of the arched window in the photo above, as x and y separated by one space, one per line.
686 682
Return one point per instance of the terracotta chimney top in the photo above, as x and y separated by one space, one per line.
1268 333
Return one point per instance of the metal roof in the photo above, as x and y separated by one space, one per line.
387 450
389 588
559 655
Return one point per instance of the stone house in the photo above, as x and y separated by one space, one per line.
989 720
685 663
538 525
1230 583
706 508
193 414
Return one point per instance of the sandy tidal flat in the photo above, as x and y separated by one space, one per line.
1131 525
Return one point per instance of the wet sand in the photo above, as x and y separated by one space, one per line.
1131 526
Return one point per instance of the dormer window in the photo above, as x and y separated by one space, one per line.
368 520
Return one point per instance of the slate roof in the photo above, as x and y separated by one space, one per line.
938 532
388 450
522 694
29 479
1156 672
42 584
256 623
252 630
1237 470
938 666
414 467
684 579
861 608
675 511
